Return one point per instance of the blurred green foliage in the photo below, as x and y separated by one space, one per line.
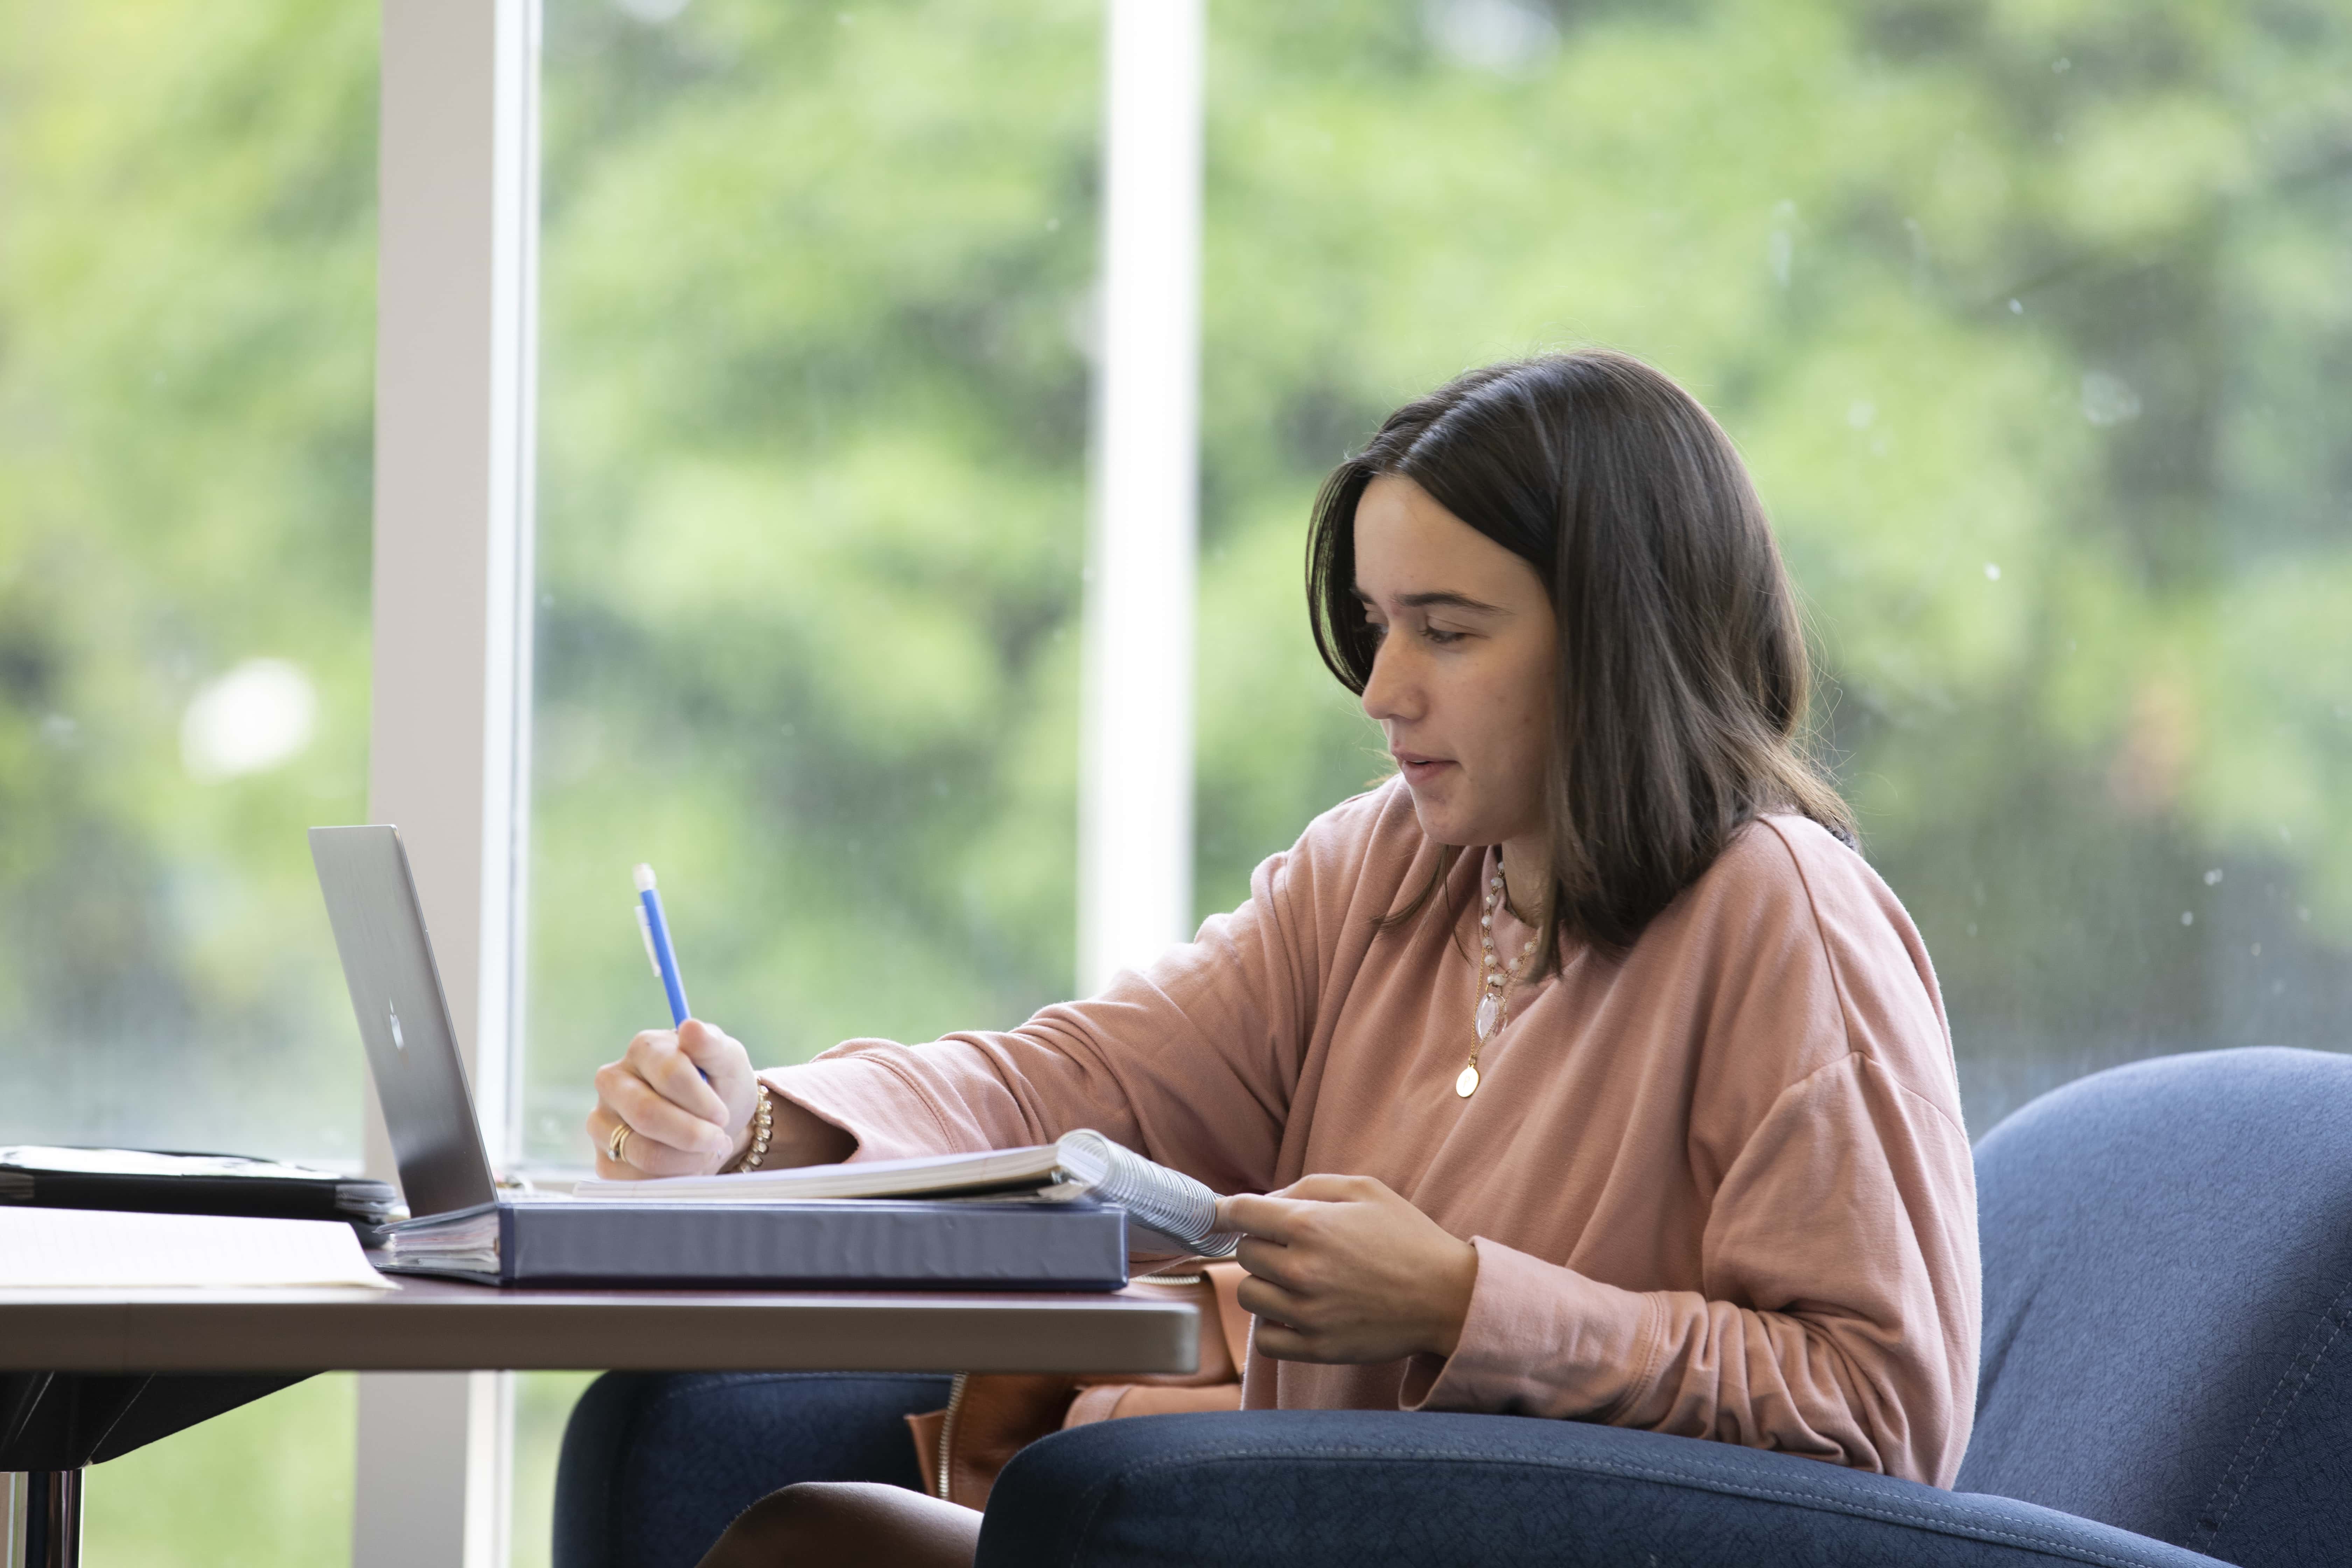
2025 315
268 1483
543 1403
271 1482
187 249
813 443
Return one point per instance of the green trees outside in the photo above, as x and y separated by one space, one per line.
813 451
2026 317
187 271
2054 292
2023 315
2031 316
187 259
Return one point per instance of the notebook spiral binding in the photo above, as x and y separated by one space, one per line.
1167 1201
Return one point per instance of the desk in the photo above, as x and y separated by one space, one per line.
89 1375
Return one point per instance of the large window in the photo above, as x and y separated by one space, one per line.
2032 323
188 254
2031 319
2024 322
2024 318
186 321
815 297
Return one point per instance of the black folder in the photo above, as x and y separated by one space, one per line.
171 1182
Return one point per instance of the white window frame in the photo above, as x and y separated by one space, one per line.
449 728
455 443
1135 781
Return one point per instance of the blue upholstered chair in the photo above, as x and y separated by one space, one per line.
2168 1253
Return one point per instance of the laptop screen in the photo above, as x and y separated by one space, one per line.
403 1018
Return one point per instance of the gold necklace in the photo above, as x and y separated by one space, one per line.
1494 988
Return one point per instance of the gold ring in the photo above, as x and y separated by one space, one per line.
614 1145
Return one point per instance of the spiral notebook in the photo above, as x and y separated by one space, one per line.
1177 1209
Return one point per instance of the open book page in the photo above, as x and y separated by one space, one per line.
1081 1165
929 1175
42 1249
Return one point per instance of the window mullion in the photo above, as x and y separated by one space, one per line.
1135 792
454 348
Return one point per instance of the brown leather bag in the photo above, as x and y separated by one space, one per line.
991 1417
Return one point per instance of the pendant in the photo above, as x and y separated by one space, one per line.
1489 1007
1467 1083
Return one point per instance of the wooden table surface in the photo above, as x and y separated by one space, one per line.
435 1325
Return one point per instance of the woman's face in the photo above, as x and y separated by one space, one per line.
1464 679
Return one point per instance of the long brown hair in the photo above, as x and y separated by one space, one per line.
1683 675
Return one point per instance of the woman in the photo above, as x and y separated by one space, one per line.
1584 1069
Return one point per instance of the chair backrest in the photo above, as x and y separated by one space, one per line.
2167 1270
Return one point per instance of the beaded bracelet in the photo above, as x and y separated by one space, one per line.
763 1127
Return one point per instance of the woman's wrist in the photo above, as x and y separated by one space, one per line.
1459 1283
759 1131
741 1143
799 1136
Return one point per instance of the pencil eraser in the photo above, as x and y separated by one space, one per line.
645 878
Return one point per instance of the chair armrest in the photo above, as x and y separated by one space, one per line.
1369 1490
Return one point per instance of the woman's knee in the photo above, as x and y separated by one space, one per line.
819 1524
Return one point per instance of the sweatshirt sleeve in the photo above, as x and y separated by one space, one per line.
1839 1311
1191 1062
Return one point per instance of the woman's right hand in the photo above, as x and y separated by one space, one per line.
687 1096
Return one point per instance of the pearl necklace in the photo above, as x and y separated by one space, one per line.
1493 993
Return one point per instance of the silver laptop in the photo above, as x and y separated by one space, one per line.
403 1018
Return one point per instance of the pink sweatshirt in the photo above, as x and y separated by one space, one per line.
1719 1188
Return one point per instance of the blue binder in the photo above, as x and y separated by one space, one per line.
845 1244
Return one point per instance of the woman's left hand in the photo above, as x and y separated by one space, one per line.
1342 1269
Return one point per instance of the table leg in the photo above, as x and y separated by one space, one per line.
44 1520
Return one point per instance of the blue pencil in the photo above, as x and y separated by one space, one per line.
655 931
